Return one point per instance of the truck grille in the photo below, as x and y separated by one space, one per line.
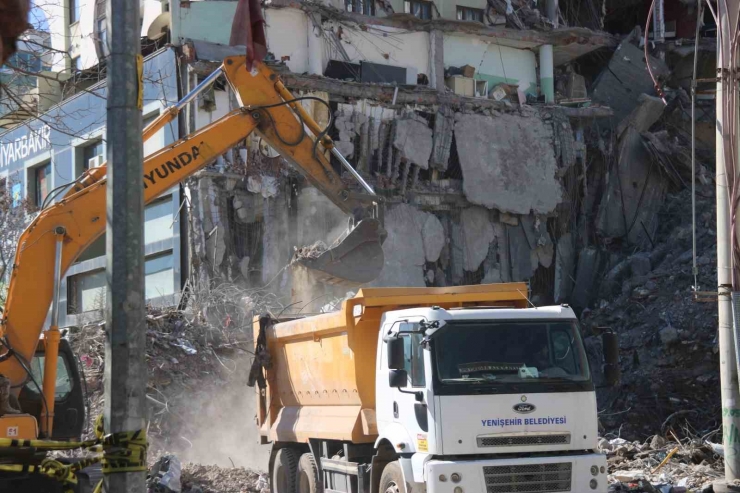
508 441
528 478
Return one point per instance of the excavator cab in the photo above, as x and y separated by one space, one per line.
69 395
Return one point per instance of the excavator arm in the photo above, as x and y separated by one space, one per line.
62 231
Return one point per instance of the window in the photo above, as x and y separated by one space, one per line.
39 183
469 14
158 220
92 155
418 8
64 385
74 11
86 292
413 354
76 64
30 62
100 30
160 276
365 7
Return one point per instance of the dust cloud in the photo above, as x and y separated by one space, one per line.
214 421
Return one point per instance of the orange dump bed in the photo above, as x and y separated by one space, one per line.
322 380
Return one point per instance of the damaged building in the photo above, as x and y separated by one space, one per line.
508 140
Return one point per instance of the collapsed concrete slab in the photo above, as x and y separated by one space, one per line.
636 189
414 140
477 236
508 163
620 85
404 248
434 238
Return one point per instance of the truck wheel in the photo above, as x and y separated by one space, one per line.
284 471
391 481
308 475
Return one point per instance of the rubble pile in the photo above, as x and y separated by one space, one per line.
180 356
661 466
213 479
668 341
198 361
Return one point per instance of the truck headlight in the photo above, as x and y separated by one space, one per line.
593 484
455 477
458 489
594 470
443 478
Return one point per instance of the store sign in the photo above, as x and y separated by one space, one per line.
25 146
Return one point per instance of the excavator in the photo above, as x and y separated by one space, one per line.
45 398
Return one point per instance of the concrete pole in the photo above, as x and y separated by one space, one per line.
728 368
547 76
437 60
125 364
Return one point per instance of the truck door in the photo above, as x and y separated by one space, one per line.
409 403
69 404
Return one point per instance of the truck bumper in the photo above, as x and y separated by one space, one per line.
527 475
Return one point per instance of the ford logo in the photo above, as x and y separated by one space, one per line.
524 408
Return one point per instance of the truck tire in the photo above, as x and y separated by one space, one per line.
391 481
283 474
307 478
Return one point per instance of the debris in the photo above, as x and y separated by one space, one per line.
414 140
625 79
164 476
501 173
477 236
434 238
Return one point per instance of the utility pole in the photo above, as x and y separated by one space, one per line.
125 363
728 363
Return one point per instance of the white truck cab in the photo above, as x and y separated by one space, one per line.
488 400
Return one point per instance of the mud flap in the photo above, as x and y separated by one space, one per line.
358 259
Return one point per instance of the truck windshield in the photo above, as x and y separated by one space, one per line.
510 352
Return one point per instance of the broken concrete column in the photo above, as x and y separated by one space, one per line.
382 139
565 256
508 163
444 125
520 253
587 272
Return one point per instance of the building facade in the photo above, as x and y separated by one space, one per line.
48 152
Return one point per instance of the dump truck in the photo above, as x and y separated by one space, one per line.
458 390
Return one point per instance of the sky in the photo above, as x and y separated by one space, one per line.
37 18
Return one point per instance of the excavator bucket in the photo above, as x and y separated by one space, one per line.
358 259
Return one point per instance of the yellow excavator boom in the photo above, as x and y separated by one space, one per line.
63 230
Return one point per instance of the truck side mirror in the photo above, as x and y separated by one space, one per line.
610 344
398 379
395 354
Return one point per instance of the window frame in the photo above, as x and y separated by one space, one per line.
363 7
425 8
34 172
74 11
462 10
